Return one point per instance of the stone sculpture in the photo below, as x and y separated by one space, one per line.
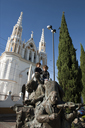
45 108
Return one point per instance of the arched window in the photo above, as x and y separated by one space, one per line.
34 57
30 56
25 55
18 33
16 46
11 49
19 50
41 61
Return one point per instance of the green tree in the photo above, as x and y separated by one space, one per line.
82 66
69 73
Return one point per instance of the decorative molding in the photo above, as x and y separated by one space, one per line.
9 102
6 80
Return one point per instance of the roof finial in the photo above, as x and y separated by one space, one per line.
19 22
32 34
42 36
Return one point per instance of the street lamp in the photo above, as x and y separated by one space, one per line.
53 31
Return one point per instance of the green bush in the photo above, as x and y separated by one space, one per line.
72 126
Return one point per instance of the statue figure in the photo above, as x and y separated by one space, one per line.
44 107
19 119
53 86
51 116
36 90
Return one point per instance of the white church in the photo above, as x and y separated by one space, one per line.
15 61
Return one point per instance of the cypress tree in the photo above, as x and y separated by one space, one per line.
69 73
82 66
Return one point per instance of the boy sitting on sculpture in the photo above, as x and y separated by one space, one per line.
44 75
38 69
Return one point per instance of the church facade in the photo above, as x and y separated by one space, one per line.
15 61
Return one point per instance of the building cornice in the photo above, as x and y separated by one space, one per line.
7 80
17 55
10 53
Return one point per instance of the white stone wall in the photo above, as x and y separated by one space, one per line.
13 73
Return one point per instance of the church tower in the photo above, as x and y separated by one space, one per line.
13 43
42 48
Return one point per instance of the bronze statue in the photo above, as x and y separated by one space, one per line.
36 91
51 116
19 119
44 107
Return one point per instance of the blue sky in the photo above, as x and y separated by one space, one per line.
37 14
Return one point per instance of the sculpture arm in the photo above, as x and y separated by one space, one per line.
43 117
70 117
40 98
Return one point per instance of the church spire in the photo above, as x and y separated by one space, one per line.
14 42
42 36
19 22
42 42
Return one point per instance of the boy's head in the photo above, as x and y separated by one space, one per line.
45 67
38 65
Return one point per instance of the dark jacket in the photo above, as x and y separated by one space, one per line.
39 70
45 74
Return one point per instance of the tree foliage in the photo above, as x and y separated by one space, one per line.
69 73
82 66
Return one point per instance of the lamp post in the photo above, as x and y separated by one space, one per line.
53 31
